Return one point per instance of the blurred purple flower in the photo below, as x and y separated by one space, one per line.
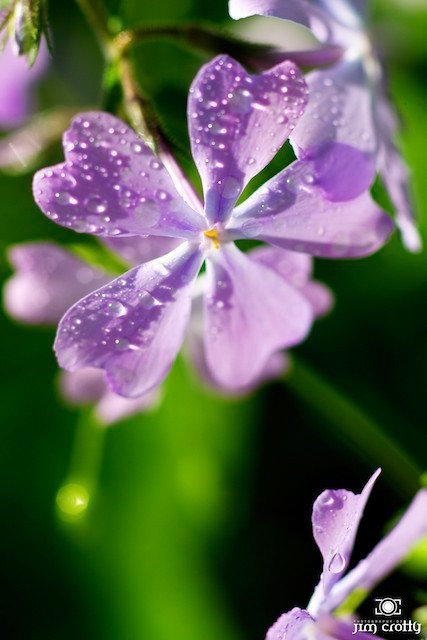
348 101
87 386
113 185
336 517
16 84
47 281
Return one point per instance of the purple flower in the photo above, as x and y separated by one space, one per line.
113 185
48 280
348 101
336 517
16 83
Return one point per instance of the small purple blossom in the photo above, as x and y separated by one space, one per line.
16 84
112 185
348 101
335 519
47 281
87 386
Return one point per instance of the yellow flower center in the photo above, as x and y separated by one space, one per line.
213 235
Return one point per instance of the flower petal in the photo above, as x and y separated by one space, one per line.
133 328
299 11
237 123
336 517
292 211
139 249
250 313
296 269
88 385
319 296
291 626
277 364
112 184
388 553
48 280
340 109
16 79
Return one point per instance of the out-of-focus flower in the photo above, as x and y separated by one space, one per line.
87 386
336 517
113 185
16 85
294 268
47 281
348 101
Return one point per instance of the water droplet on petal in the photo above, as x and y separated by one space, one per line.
336 563
116 308
95 204
231 188
241 100
63 197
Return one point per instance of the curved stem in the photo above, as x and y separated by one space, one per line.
354 426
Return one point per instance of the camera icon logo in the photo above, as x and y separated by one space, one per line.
388 606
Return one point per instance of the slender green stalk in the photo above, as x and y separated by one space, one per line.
206 38
95 16
81 483
368 439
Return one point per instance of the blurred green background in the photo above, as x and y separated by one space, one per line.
200 527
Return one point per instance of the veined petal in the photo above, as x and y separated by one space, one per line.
48 280
237 124
88 386
388 553
250 313
293 211
292 625
336 517
133 328
112 184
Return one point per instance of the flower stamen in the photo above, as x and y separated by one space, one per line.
213 235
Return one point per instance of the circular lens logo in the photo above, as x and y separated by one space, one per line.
388 606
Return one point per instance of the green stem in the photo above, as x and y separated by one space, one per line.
206 38
355 427
96 17
81 484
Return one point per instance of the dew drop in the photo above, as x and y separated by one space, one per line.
241 100
336 563
64 198
230 188
146 213
121 344
116 308
94 204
